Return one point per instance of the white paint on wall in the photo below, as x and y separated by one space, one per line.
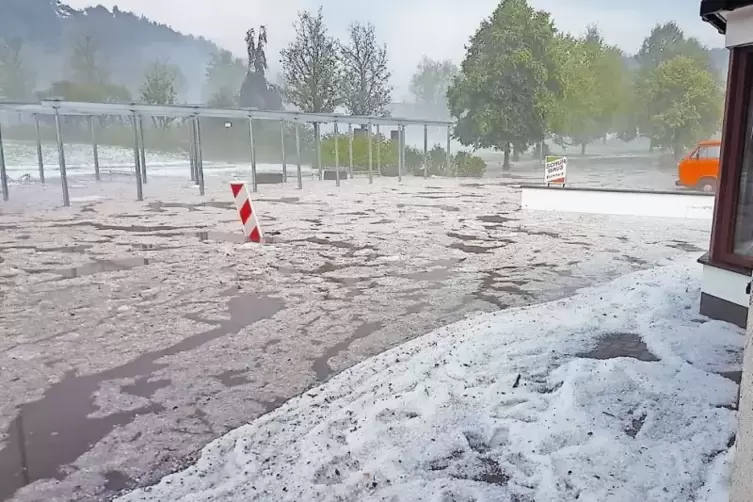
740 27
660 205
726 285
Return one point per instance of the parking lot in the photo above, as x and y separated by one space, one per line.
135 333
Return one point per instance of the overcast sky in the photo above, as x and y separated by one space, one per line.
411 28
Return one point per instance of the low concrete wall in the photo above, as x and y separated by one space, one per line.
723 293
655 203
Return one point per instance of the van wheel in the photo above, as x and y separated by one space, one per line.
707 185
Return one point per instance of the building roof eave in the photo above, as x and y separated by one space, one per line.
713 11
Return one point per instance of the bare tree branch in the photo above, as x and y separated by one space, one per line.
311 66
366 87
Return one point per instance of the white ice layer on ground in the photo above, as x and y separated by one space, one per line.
510 406
21 158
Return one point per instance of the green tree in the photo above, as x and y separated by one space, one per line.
162 81
312 69
685 102
667 41
16 80
366 76
224 77
594 80
430 82
223 98
85 63
664 43
509 81
97 93
626 118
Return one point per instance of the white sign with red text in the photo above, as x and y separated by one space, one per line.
555 170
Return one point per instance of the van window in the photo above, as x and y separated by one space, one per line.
709 152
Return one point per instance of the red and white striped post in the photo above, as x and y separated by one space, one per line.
250 222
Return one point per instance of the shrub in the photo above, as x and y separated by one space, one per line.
438 161
465 164
360 152
468 166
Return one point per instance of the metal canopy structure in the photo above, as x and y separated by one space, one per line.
136 111
48 107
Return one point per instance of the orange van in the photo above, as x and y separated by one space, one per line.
700 168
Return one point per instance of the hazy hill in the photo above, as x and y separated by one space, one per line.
128 42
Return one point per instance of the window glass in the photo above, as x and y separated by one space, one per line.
709 152
744 219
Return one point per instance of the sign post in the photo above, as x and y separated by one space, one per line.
555 170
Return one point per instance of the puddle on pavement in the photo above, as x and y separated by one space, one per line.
493 218
545 233
416 308
469 248
140 229
553 267
685 246
233 378
116 481
98 267
151 247
441 270
284 200
77 248
330 242
633 260
492 299
452 209
490 287
321 366
237 238
735 376
437 196
229 292
614 345
635 426
159 207
331 267
464 237
145 388
350 246
54 431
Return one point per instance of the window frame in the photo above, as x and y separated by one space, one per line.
715 149
736 111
